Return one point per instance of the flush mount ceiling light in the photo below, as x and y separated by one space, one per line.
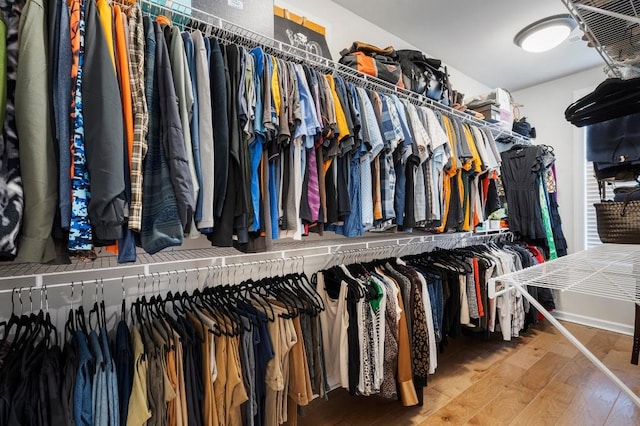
545 34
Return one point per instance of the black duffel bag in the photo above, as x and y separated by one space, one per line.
425 76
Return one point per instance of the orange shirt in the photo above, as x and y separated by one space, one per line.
125 81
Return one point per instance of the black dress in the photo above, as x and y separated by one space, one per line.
521 166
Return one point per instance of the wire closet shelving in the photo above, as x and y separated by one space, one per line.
194 19
189 18
613 29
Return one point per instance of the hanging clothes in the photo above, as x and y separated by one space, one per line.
194 361
161 223
244 147
532 208
103 133
37 156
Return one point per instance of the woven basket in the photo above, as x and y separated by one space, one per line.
619 221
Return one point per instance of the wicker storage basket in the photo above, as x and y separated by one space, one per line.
619 221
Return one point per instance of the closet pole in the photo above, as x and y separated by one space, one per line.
573 340
331 253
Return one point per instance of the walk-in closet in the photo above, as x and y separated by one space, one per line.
340 212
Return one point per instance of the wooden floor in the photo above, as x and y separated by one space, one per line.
540 379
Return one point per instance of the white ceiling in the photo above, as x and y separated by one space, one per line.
476 37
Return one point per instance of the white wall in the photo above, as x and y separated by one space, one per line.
344 27
544 106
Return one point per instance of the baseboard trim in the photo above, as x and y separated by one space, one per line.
616 327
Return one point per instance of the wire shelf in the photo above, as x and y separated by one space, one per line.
610 271
612 28
194 19
287 251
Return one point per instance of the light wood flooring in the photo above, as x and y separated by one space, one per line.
539 379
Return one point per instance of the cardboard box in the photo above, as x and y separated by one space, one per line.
490 112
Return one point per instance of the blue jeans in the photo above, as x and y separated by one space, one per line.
353 223
434 286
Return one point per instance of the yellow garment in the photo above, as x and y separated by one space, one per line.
106 18
377 190
138 413
300 391
448 173
275 86
172 415
236 393
209 411
470 216
341 118
408 395
169 390
282 337
125 82
477 161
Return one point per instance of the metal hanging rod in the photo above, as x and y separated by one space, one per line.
296 264
190 18
332 254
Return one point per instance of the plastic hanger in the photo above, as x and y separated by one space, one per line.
95 311
14 320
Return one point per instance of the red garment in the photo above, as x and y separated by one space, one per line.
537 253
476 275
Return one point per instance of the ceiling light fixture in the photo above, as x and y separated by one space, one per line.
545 34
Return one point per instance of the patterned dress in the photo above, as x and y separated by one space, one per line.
11 193
80 234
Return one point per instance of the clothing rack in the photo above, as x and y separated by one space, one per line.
191 270
610 271
234 33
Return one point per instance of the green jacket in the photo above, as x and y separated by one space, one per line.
37 151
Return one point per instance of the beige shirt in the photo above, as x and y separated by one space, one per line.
138 413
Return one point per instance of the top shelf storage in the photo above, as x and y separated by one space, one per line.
612 27
232 32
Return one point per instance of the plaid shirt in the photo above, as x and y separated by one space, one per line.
392 132
140 113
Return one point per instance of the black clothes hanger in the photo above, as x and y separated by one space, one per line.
310 292
14 320
213 304
355 287
251 294
280 294
311 303
123 307
95 311
297 295
613 98
224 302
